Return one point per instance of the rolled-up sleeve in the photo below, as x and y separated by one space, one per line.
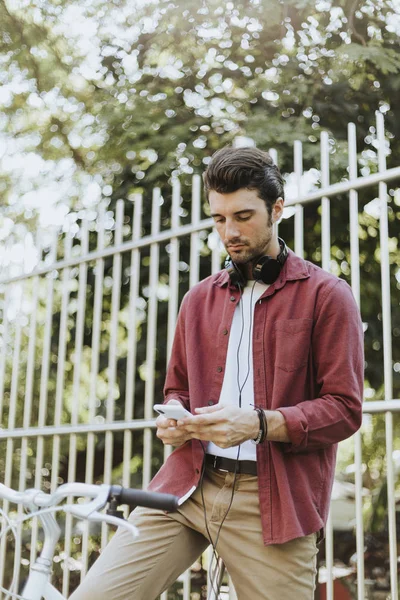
338 357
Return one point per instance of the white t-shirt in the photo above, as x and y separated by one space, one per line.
239 366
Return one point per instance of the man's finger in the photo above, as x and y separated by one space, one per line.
162 422
209 409
199 421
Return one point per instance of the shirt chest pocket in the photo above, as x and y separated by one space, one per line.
292 343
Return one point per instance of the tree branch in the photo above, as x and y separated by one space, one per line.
352 28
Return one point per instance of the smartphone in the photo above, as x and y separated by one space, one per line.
172 411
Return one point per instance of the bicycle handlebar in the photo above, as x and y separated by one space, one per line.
44 506
143 498
116 492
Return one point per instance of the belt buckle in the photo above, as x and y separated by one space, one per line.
218 468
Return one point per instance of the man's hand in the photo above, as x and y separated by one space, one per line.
168 432
224 425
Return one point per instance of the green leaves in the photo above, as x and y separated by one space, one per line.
385 60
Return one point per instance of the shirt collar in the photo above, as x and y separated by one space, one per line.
295 268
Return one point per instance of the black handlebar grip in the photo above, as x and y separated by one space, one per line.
143 498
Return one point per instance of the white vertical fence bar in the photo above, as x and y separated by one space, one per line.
94 368
151 336
4 346
79 331
355 286
30 367
194 237
132 326
274 155
173 278
61 359
75 401
299 215
173 266
325 204
18 289
353 199
15 368
44 378
387 351
3 364
329 556
61 355
216 258
112 352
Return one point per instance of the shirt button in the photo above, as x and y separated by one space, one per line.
219 369
232 298
210 403
225 332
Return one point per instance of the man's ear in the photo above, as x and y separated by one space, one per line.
277 210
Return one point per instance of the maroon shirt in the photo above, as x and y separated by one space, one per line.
308 364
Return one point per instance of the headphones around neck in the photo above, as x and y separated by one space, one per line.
265 268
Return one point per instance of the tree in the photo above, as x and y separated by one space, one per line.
139 94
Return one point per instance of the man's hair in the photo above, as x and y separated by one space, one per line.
232 169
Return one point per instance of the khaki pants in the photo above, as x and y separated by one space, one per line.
142 568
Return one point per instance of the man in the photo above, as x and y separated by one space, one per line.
269 351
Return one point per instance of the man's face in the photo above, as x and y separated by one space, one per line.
244 225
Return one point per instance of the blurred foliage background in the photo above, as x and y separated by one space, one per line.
100 100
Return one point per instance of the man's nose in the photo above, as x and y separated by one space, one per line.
232 230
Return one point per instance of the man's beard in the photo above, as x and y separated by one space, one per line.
243 257
249 255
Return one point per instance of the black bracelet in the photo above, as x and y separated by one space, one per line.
265 426
262 433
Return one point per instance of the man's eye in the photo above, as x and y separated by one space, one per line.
244 218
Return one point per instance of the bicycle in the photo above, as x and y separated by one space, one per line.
44 506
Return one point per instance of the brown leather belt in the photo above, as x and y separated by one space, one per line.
248 467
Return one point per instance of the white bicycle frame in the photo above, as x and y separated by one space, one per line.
38 585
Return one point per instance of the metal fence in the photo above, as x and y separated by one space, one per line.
85 338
